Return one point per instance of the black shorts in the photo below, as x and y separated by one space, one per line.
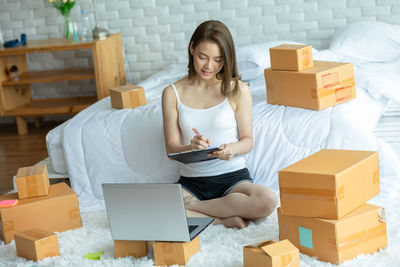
210 187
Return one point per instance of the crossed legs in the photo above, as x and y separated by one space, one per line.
246 201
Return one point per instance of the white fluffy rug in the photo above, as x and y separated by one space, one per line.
219 246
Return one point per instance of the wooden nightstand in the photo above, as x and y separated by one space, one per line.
15 94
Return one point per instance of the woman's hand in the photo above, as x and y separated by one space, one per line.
225 152
199 142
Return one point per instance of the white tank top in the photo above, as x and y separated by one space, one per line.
217 123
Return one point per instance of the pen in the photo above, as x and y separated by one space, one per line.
195 131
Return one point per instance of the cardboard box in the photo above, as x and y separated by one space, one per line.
361 231
126 248
291 57
321 86
36 244
271 254
32 181
127 96
56 212
329 184
171 253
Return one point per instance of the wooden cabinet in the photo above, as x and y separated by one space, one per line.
15 93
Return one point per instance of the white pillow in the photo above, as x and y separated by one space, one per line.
368 41
253 59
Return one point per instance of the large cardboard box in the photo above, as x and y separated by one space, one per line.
329 184
171 253
126 248
291 57
36 244
56 212
32 181
127 96
361 231
321 86
271 254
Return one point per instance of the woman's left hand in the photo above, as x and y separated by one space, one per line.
225 152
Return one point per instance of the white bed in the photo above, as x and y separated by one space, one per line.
102 144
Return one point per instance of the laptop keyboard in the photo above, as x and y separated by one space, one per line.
192 228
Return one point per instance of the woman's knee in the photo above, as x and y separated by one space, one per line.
267 202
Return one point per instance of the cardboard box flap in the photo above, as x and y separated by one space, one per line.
329 161
273 248
126 87
290 46
33 170
321 66
35 234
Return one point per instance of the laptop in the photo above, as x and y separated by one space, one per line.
150 212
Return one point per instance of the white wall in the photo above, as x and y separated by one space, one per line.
155 32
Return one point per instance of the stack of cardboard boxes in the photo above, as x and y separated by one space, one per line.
40 209
323 210
296 80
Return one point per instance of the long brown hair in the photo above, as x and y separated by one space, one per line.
216 31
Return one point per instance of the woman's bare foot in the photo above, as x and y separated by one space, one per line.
189 200
231 222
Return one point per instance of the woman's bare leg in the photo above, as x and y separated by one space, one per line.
231 222
246 200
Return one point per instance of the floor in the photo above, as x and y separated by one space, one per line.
20 151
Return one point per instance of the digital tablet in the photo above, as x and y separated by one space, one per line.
193 156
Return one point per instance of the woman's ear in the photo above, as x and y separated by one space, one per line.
191 49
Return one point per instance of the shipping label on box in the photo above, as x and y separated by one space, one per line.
271 254
32 181
327 183
56 212
127 96
324 85
291 57
36 244
361 231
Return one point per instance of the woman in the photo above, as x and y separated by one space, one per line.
213 100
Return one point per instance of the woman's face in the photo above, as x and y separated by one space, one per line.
207 59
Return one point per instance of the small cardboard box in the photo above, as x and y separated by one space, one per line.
32 181
291 57
271 254
329 184
126 248
56 212
361 231
127 96
171 253
324 85
36 244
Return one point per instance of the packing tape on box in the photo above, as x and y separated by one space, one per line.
74 213
376 176
306 57
286 260
45 241
357 239
328 194
36 234
31 186
342 86
8 226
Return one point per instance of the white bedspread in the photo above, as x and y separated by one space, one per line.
103 145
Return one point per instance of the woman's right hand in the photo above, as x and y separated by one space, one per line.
199 142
